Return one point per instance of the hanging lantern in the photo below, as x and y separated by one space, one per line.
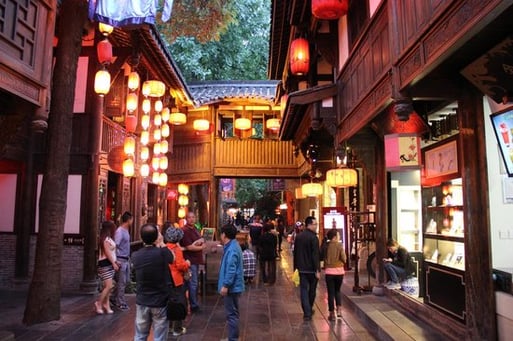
145 153
299 193
157 134
164 147
156 149
145 170
131 101
145 122
273 124
145 137
102 82
163 180
129 145
157 120
329 9
130 123
153 88
104 51
105 29
283 103
183 189
128 167
181 212
155 164
164 130
201 124
158 105
183 200
242 123
299 56
155 177
311 189
177 118
165 114
133 80
146 105
163 162
342 177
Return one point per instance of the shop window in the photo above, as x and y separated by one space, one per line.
357 17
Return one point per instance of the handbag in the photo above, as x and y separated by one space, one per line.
295 277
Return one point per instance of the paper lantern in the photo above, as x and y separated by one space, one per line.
145 153
273 124
129 145
164 130
181 212
146 105
105 29
156 149
131 101
165 114
164 147
104 51
157 120
158 106
155 164
311 189
329 9
157 134
145 137
163 179
402 151
177 118
145 170
153 88
299 193
183 189
183 200
128 167
299 56
201 125
242 123
145 122
102 82
130 123
133 80
342 177
163 162
155 177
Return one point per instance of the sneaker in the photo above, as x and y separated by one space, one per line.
393 286
123 307
183 331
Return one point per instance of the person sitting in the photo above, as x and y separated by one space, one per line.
398 265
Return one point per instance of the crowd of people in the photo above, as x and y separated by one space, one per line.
166 269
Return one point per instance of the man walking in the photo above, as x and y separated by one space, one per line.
151 264
194 246
122 239
231 279
307 262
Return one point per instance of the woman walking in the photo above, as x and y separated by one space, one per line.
107 266
334 270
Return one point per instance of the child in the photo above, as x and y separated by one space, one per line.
248 263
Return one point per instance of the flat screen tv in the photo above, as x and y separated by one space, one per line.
502 123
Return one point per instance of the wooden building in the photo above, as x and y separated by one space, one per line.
409 67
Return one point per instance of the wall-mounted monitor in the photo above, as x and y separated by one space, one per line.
502 123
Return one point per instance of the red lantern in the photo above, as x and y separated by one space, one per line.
130 123
329 9
299 56
104 50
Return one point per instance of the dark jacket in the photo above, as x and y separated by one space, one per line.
306 252
268 247
402 259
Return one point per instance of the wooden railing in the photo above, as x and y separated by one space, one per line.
113 135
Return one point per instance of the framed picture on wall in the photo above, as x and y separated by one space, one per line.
502 123
441 161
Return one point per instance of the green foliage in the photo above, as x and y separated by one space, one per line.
249 191
241 51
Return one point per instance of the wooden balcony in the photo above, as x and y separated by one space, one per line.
113 135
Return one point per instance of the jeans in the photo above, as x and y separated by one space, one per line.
308 286
333 283
192 284
122 277
145 317
268 271
395 273
231 309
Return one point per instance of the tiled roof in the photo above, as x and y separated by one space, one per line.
209 92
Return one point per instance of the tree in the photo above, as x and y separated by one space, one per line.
241 52
44 297
249 191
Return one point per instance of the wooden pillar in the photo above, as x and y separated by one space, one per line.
480 299
381 207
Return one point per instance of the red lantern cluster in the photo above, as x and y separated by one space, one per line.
329 9
299 56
